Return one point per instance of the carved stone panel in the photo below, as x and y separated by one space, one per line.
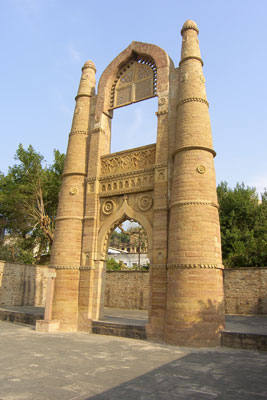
132 160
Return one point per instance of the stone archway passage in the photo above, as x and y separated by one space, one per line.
169 187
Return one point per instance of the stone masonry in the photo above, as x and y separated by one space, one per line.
245 289
168 187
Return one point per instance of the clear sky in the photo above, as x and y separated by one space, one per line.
44 44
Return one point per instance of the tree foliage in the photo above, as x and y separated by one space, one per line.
29 199
28 204
243 226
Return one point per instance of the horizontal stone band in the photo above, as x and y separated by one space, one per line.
191 58
73 173
191 99
194 266
82 95
98 130
65 217
194 203
72 133
71 267
187 148
125 174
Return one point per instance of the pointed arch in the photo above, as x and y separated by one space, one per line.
123 213
135 50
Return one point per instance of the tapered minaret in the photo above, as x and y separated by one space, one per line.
194 310
66 251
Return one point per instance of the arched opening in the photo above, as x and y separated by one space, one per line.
134 125
127 247
127 273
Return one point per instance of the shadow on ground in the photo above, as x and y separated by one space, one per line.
200 375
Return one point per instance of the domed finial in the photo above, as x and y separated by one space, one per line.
89 64
189 24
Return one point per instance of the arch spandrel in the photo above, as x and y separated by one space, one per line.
162 61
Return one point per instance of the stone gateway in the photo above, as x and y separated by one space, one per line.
168 187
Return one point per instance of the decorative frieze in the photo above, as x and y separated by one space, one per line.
194 266
158 113
194 203
139 158
191 99
127 183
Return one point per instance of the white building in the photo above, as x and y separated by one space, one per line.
130 260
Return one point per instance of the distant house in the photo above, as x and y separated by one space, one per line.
129 259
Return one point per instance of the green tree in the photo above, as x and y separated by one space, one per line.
114 265
28 204
243 226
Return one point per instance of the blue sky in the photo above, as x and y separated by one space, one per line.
44 44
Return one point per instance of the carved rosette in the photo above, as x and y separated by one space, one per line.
108 207
201 169
145 202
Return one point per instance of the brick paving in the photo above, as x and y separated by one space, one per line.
81 366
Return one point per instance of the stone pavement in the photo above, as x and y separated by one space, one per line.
81 366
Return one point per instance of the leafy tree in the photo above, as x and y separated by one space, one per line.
243 226
114 265
28 204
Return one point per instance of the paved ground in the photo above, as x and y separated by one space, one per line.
80 366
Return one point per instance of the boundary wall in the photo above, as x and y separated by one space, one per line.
245 289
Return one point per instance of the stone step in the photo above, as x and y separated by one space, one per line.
117 329
19 317
246 341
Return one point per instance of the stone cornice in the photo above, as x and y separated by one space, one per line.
192 99
160 209
72 133
160 165
194 266
98 130
125 174
71 267
158 113
194 203
187 148
73 173
82 95
159 266
126 190
191 58
91 179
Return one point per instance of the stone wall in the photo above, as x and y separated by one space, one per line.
245 291
22 285
25 285
127 289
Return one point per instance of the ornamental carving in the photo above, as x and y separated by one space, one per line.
141 158
128 182
134 82
108 207
73 191
201 169
145 202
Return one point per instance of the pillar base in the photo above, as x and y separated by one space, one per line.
47 326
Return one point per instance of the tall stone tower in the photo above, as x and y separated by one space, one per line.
168 187
194 308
